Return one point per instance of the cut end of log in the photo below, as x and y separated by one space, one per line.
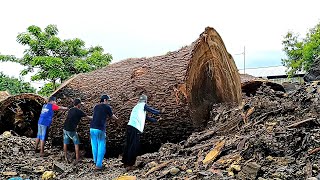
20 113
212 76
4 95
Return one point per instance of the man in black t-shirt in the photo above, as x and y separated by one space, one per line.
101 112
70 125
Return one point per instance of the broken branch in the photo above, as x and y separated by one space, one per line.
160 166
314 151
300 122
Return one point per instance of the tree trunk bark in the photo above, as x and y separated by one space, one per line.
185 82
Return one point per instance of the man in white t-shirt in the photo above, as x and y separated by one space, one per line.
134 129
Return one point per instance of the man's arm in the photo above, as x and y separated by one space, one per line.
151 110
111 115
89 117
57 108
83 114
114 117
151 119
62 108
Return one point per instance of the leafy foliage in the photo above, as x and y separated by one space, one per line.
301 53
47 89
14 86
54 59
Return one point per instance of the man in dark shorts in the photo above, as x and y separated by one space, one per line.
101 112
45 121
70 125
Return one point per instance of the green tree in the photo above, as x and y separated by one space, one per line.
301 52
56 60
14 86
47 89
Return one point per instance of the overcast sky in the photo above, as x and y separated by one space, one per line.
149 28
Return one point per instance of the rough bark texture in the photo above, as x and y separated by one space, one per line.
20 113
185 82
314 72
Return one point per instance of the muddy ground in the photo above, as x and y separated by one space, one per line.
272 135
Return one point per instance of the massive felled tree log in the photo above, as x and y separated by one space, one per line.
21 113
185 82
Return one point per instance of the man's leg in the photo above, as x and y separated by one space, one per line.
94 144
38 138
47 133
133 148
76 146
101 148
126 149
136 146
66 141
76 142
37 144
41 135
65 149
42 142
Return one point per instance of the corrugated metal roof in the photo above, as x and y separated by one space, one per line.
266 71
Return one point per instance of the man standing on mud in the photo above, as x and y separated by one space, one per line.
45 121
134 129
70 125
101 112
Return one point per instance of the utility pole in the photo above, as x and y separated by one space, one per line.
244 59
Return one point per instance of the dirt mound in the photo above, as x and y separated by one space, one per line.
314 72
270 135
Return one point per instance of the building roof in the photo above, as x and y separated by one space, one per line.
266 71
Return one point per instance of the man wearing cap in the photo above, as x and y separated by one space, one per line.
70 125
134 129
45 121
101 112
